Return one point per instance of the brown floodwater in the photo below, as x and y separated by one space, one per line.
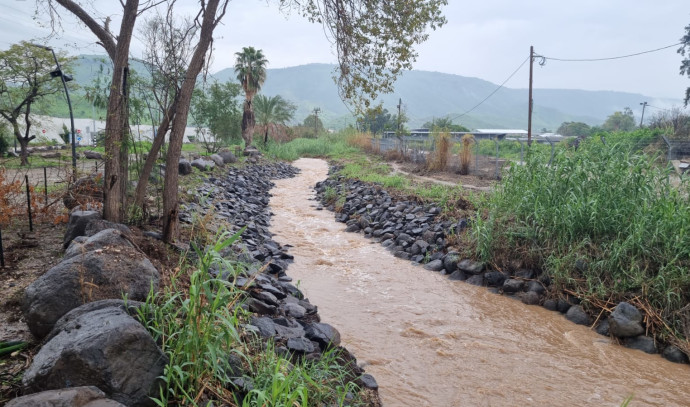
429 341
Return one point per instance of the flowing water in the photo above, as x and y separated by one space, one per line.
429 341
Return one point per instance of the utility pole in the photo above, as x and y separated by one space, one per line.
644 104
529 113
316 121
399 117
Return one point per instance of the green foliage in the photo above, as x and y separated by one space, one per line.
602 219
445 123
326 146
574 129
375 40
277 382
620 121
313 123
250 67
65 135
217 108
377 120
5 138
272 111
25 79
198 330
684 51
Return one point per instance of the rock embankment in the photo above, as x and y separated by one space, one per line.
415 232
97 353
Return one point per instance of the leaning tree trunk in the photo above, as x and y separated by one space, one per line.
115 171
248 122
158 141
170 193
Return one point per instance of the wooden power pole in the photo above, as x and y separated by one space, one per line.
529 113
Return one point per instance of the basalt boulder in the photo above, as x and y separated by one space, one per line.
110 272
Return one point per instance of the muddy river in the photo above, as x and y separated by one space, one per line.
432 342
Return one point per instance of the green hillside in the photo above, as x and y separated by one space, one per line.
425 95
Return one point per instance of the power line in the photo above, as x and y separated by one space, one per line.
492 93
611 58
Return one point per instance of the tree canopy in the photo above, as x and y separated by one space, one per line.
684 50
574 129
24 79
250 68
273 111
620 121
445 123
217 108
374 40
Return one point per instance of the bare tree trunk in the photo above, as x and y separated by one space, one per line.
170 192
115 169
158 141
115 172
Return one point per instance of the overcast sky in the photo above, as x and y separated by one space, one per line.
486 39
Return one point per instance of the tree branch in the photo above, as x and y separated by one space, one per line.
106 40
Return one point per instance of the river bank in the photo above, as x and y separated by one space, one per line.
415 329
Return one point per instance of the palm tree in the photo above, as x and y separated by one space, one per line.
273 111
250 67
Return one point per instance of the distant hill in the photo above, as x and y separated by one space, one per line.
426 95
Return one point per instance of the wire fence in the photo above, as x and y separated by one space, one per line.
492 155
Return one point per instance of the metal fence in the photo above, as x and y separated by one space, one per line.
490 155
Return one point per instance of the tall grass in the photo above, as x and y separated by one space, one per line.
325 146
197 327
603 220
438 158
465 154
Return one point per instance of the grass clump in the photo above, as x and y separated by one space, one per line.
602 220
196 321
325 146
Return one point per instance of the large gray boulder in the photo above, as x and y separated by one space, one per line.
84 396
93 155
228 157
110 272
106 348
102 239
203 165
217 159
625 321
184 167
76 226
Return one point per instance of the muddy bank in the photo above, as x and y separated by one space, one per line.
430 341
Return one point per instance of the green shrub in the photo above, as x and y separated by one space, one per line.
603 220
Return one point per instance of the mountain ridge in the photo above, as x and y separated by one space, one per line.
430 94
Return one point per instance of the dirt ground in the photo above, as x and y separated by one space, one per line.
482 177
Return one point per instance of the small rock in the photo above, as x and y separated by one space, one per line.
577 315
369 382
674 354
435 265
530 298
494 278
471 267
625 321
512 286
643 343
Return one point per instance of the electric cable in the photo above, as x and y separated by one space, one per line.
492 93
610 58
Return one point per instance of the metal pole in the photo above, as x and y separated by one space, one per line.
69 104
644 104
45 183
529 108
71 115
28 203
2 252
